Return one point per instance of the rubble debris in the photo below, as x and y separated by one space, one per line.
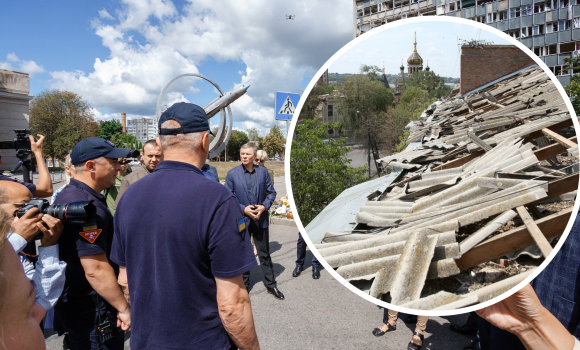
490 163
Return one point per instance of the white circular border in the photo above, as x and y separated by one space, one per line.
309 88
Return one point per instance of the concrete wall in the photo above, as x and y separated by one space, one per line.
482 66
14 110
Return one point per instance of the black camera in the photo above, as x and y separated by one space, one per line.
132 154
21 141
78 212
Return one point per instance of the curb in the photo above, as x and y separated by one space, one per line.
280 221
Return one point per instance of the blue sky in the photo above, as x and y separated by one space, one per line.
119 54
437 43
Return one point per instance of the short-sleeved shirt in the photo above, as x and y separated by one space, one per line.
83 240
31 187
175 230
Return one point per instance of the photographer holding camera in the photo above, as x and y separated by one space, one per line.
44 186
48 276
92 299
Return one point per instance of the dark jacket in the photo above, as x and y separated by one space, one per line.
266 195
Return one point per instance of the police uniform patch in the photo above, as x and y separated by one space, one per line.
241 224
90 236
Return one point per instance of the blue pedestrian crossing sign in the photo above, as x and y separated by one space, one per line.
286 103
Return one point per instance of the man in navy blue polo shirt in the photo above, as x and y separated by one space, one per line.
182 247
91 294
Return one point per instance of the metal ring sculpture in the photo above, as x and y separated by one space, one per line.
224 132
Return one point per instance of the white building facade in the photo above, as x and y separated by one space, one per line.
143 128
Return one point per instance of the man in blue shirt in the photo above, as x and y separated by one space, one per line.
253 188
182 247
91 294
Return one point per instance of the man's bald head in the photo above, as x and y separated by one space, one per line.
13 192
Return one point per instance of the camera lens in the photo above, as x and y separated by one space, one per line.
78 212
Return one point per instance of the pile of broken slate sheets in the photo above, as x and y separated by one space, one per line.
482 158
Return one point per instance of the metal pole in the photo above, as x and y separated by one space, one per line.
369 150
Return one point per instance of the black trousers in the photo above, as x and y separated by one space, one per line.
301 253
79 318
262 243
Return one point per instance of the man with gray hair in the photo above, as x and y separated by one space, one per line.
182 267
253 188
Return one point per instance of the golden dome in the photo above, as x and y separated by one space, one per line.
415 59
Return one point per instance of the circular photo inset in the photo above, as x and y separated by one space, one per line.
434 165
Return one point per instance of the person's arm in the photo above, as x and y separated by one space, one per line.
523 315
235 311
270 196
230 185
49 277
123 282
102 278
44 186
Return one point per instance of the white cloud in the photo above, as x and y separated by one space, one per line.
15 64
152 41
12 57
105 15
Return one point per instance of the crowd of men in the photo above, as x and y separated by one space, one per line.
173 263
169 252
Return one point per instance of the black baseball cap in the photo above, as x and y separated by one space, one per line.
96 147
191 117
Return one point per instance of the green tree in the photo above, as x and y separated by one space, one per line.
64 118
253 134
372 72
319 169
573 90
361 94
123 140
274 142
428 81
237 139
110 128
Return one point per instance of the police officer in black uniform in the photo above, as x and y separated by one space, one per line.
92 297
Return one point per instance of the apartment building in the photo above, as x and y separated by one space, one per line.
551 29
143 128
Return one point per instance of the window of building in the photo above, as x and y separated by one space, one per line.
489 18
526 10
450 7
539 51
539 8
537 30
552 49
515 12
330 110
503 15
440 10
567 47
526 31
514 33
577 22
558 70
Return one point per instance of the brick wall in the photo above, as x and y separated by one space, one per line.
482 66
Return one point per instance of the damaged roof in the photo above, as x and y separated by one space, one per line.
480 163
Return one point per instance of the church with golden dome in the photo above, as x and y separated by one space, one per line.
414 65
